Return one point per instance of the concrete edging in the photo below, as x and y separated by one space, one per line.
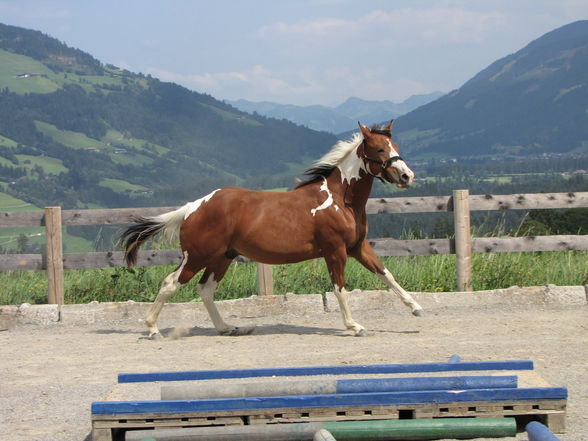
294 304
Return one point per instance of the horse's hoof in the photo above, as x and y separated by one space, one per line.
155 336
362 333
236 331
418 312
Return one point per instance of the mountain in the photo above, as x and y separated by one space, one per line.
529 103
337 119
75 132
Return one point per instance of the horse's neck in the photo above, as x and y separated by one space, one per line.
353 189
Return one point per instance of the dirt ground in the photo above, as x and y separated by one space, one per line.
51 374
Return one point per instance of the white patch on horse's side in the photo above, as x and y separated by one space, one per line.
193 206
328 202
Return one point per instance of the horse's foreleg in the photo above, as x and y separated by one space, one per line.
366 256
336 265
206 287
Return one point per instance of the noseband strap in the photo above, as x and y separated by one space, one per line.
385 164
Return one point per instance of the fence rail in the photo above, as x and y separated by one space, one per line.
461 203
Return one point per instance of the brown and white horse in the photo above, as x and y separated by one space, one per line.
323 216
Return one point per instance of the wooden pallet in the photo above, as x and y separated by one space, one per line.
111 419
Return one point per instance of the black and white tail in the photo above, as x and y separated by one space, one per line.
144 228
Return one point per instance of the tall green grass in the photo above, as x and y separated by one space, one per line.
419 273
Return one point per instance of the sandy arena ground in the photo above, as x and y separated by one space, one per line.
51 373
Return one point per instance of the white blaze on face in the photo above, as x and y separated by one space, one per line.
403 169
328 202
193 206
391 148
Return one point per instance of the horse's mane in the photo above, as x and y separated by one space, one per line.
325 165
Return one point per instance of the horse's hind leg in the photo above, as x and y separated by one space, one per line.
207 286
366 256
169 286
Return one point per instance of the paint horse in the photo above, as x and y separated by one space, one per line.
323 217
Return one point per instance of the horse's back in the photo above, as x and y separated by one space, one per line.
262 225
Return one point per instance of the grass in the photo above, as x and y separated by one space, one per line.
419 273
10 203
74 140
120 186
7 142
12 65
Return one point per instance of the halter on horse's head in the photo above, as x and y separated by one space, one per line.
380 156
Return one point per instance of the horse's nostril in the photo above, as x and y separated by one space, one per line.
404 177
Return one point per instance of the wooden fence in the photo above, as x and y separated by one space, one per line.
461 203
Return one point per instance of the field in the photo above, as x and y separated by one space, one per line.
419 273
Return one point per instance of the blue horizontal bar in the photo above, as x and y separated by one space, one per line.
327 370
538 432
425 383
333 400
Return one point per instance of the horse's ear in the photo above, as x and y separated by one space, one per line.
388 128
366 132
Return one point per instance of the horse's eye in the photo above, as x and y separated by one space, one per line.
381 150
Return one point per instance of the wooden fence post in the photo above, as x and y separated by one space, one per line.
463 239
265 279
54 254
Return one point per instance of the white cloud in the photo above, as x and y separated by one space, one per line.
303 86
414 25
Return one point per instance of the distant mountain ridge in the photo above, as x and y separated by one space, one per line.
529 103
337 119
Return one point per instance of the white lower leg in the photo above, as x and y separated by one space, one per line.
169 286
343 298
406 298
206 290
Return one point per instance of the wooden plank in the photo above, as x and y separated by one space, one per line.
530 243
110 216
54 255
22 219
480 202
463 239
419 204
334 400
21 262
424 247
417 247
116 259
327 370
529 201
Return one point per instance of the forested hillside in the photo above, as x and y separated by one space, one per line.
97 135
529 103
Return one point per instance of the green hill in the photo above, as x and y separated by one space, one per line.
75 133
527 104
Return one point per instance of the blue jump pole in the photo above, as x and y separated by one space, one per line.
538 432
327 370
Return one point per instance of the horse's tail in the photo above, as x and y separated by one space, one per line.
145 228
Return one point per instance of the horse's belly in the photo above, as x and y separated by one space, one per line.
278 252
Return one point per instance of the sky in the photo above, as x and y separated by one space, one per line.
301 52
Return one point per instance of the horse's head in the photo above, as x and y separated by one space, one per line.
381 158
